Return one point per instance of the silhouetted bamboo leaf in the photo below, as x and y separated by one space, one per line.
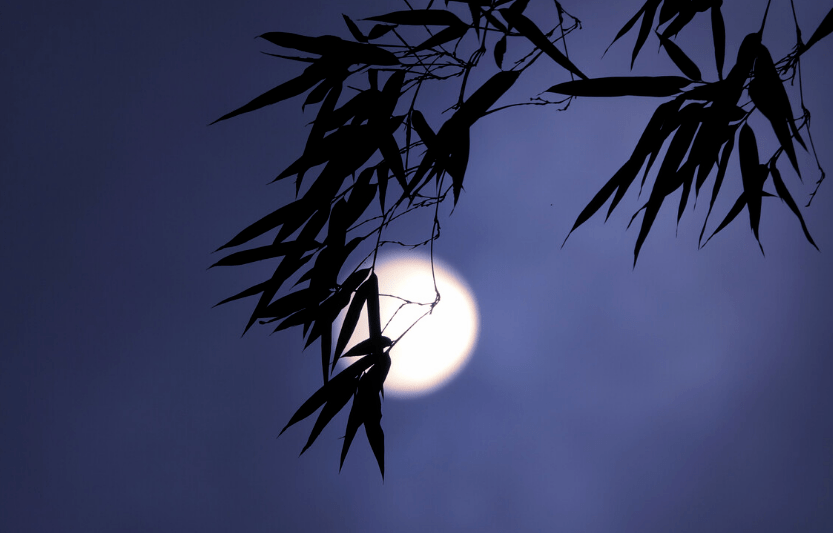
374 321
422 128
529 30
382 178
600 198
443 36
251 291
326 347
767 93
338 398
393 158
733 213
323 394
354 30
719 37
348 326
718 180
288 266
824 29
752 177
420 17
271 221
628 25
312 75
366 347
684 16
622 86
679 58
645 28
668 10
333 48
261 253
378 31
784 194
293 302
485 97
687 177
499 51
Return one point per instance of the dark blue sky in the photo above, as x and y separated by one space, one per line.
694 393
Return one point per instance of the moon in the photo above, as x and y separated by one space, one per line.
437 348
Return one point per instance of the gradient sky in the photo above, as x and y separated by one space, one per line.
694 393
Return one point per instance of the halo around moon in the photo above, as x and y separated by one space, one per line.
437 348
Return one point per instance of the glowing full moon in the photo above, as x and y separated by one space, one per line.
434 351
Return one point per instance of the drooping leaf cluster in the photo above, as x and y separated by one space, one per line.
372 157
700 125
375 157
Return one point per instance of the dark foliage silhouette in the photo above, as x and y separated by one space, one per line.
372 131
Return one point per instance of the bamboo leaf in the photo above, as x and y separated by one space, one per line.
354 30
529 30
628 25
784 194
261 253
733 213
339 397
351 319
718 180
323 394
420 17
752 177
441 37
500 51
284 91
485 97
622 86
686 65
378 31
767 93
824 29
719 37
645 29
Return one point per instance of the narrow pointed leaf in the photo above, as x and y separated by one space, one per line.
719 37
354 30
320 396
326 347
339 397
753 175
500 51
682 61
622 86
628 25
286 90
420 17
485 97
784 194
824 29
378 31
529 30
645 29
767 93
718 180
730 216
351 319
261 253
441 37
422 128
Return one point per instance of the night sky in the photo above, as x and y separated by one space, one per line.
692 393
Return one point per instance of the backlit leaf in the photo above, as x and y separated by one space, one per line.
499 51
682 61
420 17
354 30
784 194
645 29
824 29
622 86
441 37
719 37
529 30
